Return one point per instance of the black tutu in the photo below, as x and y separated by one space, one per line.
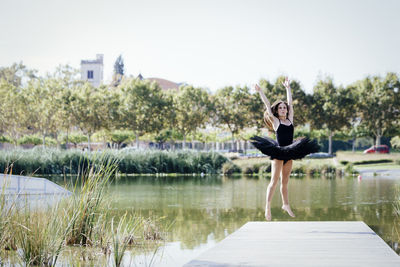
297 150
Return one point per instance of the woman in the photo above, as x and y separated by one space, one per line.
279 117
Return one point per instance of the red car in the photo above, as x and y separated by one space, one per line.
377 149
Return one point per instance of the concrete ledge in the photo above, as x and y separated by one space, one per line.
25 185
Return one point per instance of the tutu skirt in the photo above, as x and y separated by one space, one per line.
297 150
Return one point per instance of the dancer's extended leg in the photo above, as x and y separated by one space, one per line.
286 170
276 168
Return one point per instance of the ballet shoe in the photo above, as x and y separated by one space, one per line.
288 210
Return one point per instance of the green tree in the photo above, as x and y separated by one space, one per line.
395 142
67 79
119 71
332 108
379 102
89 109
121 136
192 108
42 105
16 73
67 76
232 109
12 114
143 108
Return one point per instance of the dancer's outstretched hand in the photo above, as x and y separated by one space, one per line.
258 88
286 83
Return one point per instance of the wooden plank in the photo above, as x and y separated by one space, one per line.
300 244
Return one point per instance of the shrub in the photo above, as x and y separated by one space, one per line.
230 168
349 169
50 141
328 169
395 142
5 139
249 169
30 139
75 138
265 168
299 169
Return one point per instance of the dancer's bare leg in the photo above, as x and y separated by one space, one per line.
286 170
276 168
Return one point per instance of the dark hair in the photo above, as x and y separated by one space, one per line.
274 110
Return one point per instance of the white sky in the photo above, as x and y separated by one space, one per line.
208 43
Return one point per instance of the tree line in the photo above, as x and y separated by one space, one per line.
60 103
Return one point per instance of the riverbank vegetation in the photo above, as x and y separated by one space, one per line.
345 163
305 167
42 234
54 161
48 161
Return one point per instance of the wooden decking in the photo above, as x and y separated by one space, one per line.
300 244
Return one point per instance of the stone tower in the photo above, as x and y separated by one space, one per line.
92 70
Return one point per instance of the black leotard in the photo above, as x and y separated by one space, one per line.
284 134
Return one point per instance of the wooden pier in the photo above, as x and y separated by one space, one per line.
300 244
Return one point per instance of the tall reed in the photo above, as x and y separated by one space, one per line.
88 199
40 233
53 161
123 236
7 242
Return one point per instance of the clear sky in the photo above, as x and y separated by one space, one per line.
208 43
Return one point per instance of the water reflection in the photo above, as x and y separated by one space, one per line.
200 207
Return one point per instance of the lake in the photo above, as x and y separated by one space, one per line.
204 210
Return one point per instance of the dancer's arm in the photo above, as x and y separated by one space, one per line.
267 105
286 83
264 99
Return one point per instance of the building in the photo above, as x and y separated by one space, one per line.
92 70
163 83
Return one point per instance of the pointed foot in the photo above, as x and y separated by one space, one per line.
268 214
288 210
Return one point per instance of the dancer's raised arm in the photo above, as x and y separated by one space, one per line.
286 83
264 99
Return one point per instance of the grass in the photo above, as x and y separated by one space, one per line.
359 156
385 166
359 160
